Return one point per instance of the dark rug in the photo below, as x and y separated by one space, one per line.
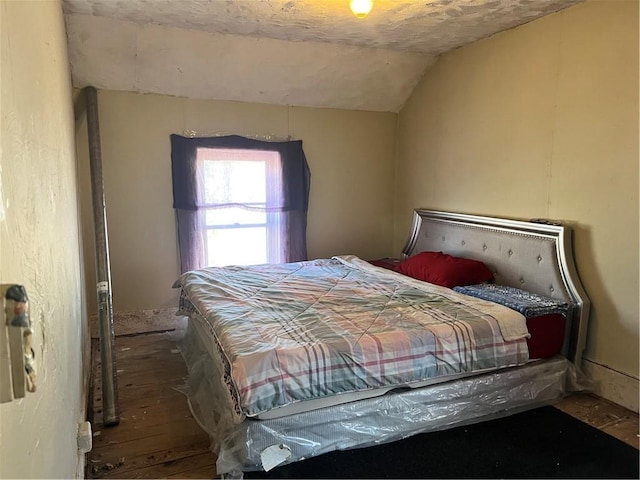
540 443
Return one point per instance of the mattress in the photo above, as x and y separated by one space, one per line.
199 329
395 415
339 330
546 316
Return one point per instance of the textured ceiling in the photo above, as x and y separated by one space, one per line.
293 52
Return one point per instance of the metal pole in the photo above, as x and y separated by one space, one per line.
110 413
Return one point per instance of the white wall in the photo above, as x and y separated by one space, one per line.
542 122
39 238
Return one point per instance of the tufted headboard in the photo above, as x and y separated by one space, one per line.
533 256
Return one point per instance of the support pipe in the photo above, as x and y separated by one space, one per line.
110 410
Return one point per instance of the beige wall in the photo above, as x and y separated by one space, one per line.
350 154
39 238
541 121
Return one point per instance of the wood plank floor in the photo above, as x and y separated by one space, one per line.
157 436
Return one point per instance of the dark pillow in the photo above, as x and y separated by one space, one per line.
444 270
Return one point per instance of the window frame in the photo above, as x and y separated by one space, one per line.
272 225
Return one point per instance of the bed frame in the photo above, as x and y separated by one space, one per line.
536 256
533 256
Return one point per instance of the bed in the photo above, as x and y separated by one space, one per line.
291 361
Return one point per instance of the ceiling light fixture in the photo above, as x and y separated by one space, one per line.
361 8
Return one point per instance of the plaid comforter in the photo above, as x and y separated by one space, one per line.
292 332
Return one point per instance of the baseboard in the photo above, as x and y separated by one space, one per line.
612 385
141 321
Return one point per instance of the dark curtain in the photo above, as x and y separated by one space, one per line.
187 202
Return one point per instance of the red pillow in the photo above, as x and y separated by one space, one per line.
444 270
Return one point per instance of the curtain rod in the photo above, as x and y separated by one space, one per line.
267 138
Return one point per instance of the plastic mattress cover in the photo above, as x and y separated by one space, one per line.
263 444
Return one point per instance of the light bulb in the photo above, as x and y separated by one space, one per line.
361 8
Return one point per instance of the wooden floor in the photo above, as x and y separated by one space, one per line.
157 436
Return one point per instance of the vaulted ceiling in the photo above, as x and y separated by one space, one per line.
286 52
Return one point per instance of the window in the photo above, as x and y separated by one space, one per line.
239 201
242 189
